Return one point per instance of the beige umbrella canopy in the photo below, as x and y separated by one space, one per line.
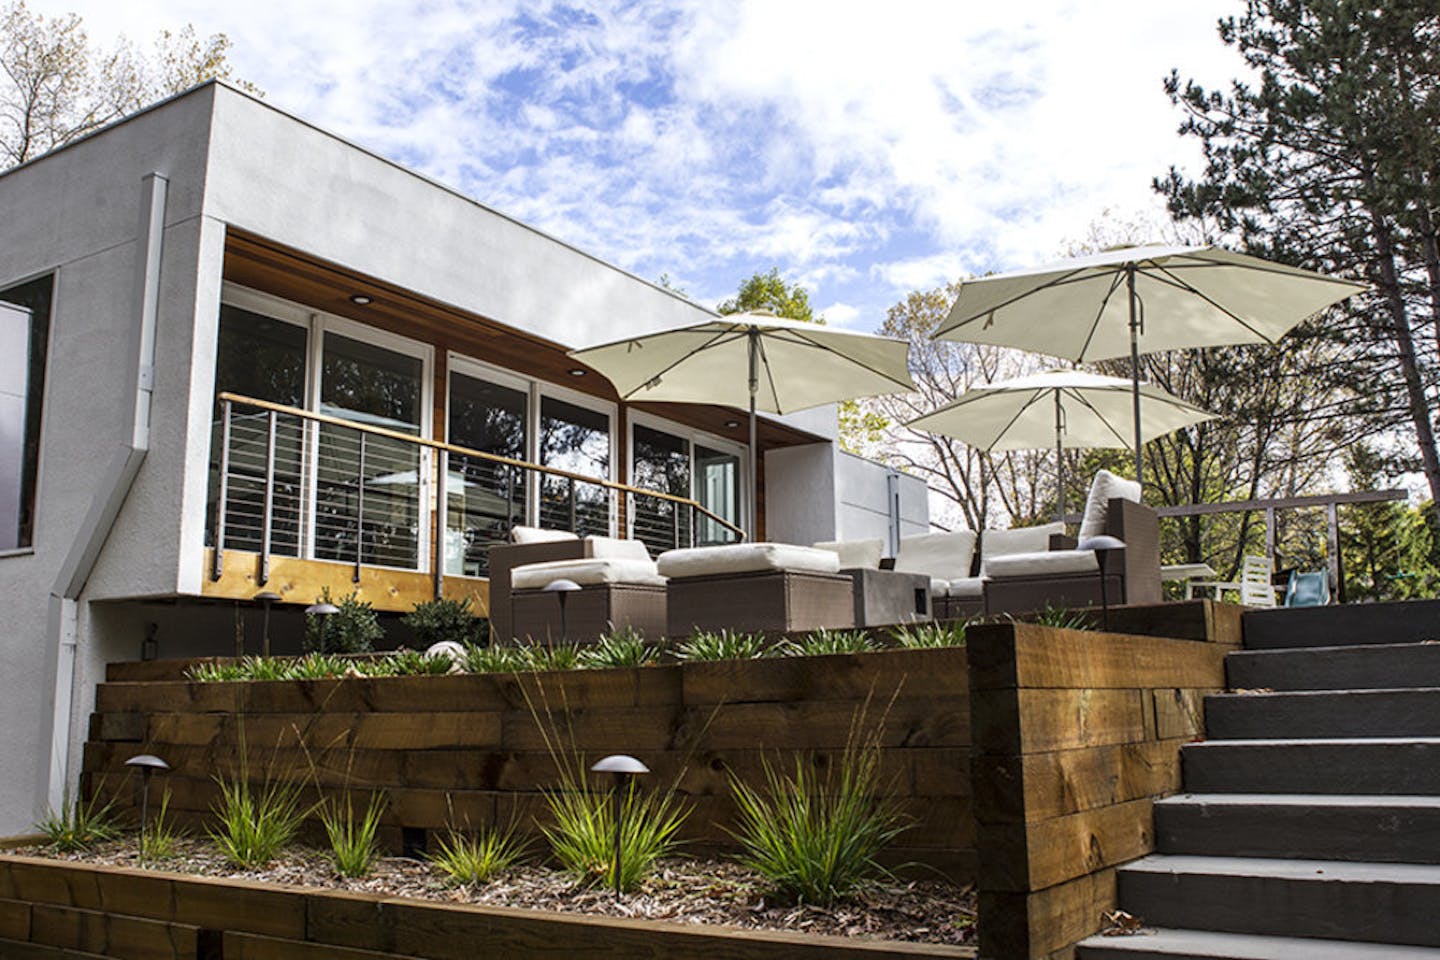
1068 409
752 359
1140 300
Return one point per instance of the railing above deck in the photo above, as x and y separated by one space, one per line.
293 483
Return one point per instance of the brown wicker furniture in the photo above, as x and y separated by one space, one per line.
529 545
590 612
755 587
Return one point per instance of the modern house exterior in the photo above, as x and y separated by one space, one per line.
242 355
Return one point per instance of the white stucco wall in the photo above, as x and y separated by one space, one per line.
819 492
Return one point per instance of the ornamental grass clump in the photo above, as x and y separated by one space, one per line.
477 857
625 647
723 645
353 847
217 672
820 642
922 636
414 663
1062 617
254 823
160 834
317 666
79 824
815 834
559 656
499 658
582 835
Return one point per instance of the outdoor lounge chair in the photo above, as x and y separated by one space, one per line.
619 589
882 597
947 559
1036 578
527 545
755 587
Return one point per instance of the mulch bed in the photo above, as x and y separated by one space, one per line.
682 890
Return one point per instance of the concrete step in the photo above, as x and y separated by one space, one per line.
1407 621
1330 900
1406 766
1324 714
1373 667
1377 829
1206 944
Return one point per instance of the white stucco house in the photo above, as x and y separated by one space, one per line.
241 354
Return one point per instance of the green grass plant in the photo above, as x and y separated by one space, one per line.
814 834
582 834
160 834
414 663
723 645
930 635
318 666
625 647
254 823
497 658
471 858
1062 617
820 642
559 656
267 668
216 672
353 847
79 824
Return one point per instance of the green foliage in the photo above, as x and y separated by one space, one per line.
254 823
498 658
1062 617
445 619
161 834
930 634
583 833
217 672
414 663
468 859
353 630
820 642
315 666
769 291
352 838
723 645
78 824
620 648
267 668
814 834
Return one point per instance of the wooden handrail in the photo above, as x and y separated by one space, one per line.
492 457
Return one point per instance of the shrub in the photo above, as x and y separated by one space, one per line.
820 642
476 858
930 635
352 839
78 824
723 645
255 823
583 832
620 648
815 836
446 619
353 630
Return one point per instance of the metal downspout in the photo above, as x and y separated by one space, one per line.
114 487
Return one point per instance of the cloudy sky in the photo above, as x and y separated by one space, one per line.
864 149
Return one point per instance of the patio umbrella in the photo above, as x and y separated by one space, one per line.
753 359
1140 300
1069 408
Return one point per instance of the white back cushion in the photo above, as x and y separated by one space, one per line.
1105 488
613 548
1000 543
856 553
946 556
539 535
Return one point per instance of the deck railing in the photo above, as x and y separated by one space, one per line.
294 483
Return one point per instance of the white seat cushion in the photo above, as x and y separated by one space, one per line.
863 554
1001 543
587 572
613 548
944 556
539 535
939 588
1105 487
967 588
1043 563
746 558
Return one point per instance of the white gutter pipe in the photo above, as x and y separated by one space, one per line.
63 626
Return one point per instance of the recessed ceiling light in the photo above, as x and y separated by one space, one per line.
577 371
732 424
361 299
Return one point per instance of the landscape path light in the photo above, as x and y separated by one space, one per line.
1102 545
148 764
324 611
623 767
267 598
562 590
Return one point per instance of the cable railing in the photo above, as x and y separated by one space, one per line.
287 482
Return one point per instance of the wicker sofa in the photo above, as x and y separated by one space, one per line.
755 587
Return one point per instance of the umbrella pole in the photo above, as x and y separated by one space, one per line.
1059 459
1135 369
754 449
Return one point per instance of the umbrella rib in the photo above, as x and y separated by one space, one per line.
1163 274
713 341
1115 279
799 335
1034 398
1085 402
769 375
1263 267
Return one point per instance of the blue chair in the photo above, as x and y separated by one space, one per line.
1308 589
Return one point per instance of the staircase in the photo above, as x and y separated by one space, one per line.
1312 825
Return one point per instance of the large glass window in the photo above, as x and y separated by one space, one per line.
661 461
264 358
24 333
576 439
484 499
369 488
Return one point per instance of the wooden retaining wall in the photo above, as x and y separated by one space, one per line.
468 749
52 910
1075 735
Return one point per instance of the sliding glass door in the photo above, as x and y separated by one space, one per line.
670 458
574 437
488 412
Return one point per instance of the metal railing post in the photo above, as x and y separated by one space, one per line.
675 526
218 567
360 508
267 511
442 505
573 523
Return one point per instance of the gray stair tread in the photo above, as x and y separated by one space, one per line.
1321 741
1335 871
1400 665
1246 946
1341 800
1266 694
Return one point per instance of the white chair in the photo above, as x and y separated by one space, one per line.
1256 590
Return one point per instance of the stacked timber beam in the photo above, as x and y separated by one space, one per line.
1075 734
